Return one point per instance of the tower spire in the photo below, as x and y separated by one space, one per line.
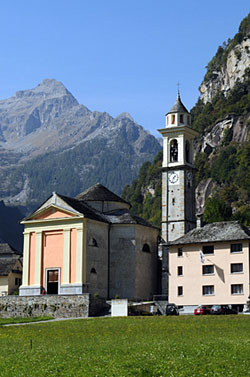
178 90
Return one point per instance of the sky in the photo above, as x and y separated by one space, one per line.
115 55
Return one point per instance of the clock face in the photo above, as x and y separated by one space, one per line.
173 177
189 175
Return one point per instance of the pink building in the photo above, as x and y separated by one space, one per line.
91 243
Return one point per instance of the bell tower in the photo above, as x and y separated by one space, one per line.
178 192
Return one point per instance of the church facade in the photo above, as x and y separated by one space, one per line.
89 244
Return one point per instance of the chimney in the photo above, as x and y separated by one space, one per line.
198 221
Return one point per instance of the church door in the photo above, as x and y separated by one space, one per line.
52 282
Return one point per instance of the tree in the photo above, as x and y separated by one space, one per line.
217 210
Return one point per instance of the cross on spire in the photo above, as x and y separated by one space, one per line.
178 92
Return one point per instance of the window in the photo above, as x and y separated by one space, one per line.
180 270
180 252
208 270
18 281
173 150
167 121
173 201
237 289
208 290
173 119
93 242
188 120
180 291
146 248
208 249
93 270
236 268
181 118
236 248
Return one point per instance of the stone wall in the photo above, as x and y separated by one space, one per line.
122 261
146 263
97 258
55 306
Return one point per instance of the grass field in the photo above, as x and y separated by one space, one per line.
7 321
133 346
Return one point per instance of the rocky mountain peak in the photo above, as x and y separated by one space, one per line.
49 88
33 109
125 115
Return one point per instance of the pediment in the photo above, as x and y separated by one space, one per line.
54 208
52 213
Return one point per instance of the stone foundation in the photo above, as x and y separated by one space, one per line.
47 305
57 306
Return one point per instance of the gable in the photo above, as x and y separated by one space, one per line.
53 208
53 213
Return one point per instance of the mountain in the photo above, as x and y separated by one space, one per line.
49 142
222 150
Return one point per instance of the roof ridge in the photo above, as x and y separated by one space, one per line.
98 192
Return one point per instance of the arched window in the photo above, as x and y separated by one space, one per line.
93 242
172 119
173 150
93 270
146 248
187 151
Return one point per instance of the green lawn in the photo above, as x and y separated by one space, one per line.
7 321
133 346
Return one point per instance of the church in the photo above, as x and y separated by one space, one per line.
89 244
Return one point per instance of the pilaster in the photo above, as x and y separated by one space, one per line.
66 257
38 263
81 255
26 252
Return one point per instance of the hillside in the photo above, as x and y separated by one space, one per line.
222 151
49 142
11 231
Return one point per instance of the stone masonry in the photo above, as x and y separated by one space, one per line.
47 305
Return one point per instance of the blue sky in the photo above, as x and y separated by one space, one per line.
115 56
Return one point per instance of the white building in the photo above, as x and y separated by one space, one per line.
209 266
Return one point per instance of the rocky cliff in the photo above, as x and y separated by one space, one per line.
228 65
225 77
